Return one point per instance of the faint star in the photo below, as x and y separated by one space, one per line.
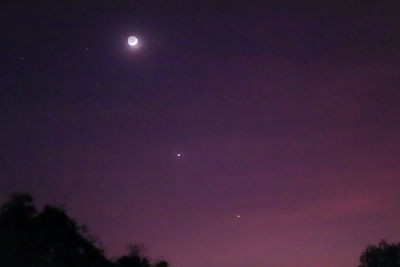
179 155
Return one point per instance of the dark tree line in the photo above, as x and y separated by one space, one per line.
52 239
382 255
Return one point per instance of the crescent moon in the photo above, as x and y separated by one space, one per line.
132 41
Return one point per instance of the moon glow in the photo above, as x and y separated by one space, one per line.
132 40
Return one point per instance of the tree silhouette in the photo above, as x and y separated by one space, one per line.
52 239
62 242
17 241
162 264
134 258
383 255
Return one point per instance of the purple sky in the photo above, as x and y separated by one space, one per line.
287 115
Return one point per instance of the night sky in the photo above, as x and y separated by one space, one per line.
286 117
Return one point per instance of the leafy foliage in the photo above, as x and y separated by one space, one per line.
383 255
52 239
